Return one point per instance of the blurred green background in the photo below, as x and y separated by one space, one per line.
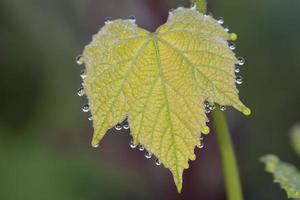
45 150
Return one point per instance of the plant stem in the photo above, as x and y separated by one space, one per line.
201 5
230 169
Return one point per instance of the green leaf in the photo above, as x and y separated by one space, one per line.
160 81
285 174
295 138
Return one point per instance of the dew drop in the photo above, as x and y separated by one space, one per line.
193 6
232 46
201 138
90 118
201 145
237 69
222 108
79 60
157 162
141 148
86 108
131 144
96 145
108 20
207 110
206 104
220 20
126 126
212 107
239 80
83 74
132 18
118 127
226 29
206 16
241 61
80 92
148 155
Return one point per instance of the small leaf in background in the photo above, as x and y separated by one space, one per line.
160 81
284 173
295 138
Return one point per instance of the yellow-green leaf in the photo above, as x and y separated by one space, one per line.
160 81
285 174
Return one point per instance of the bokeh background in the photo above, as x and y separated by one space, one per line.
45 150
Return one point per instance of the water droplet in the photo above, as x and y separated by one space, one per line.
108 20
201 145
193 6
86 108
239 80
226 28
222 108
132 18
80 92
157 162
141 147
83 74
131 144
206 104
232 46
201 138
207 110
96 145
126 126
237 69
79 60
90 118
206 16
241 61
212 107
148 155
118 127
220 20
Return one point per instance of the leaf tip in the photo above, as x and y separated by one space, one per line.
193 157
95 143
205 130
246 111
179 187
233 36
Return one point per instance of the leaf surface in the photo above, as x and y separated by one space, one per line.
160 81
285 174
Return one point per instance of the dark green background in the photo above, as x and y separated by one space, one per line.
45 148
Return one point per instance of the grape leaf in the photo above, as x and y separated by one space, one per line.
285 174
160 81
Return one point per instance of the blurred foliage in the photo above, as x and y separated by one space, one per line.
44 147
285 174
295 138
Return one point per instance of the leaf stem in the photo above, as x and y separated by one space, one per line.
230 169
201 5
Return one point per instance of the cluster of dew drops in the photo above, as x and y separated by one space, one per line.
231 45
208 107
124 125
